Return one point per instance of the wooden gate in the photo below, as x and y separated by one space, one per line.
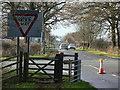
39 65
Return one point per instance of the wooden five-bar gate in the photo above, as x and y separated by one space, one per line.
40 64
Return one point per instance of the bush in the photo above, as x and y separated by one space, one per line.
101 45
8 48
35 49
113 50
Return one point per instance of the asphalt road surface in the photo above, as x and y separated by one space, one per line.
90 67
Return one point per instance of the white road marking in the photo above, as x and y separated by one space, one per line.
89 57
105 59
92 66
115 75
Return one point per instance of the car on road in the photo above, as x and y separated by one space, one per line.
63 46
71 46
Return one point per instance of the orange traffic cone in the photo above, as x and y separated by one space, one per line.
101 70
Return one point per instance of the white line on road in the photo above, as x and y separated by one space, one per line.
115 75
92 66
89 57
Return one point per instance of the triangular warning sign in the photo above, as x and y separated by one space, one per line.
24 22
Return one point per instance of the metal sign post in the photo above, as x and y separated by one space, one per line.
18 46
28 50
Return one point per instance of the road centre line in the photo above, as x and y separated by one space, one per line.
115 75
92 66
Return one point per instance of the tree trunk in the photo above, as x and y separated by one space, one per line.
113 34
118 35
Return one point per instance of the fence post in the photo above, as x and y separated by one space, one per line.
20 67
58 68
25 72
61 67
69 69
80 70
75 68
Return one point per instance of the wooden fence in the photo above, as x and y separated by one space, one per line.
23 72
18 70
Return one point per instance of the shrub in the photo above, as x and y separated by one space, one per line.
101 45
35 49
8 48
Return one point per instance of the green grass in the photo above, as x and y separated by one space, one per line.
64 84
2 58
98 52
27 85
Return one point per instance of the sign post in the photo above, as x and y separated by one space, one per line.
18 46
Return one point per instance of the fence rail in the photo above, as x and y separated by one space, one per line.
13 70
41 64
44 69
68 55
9 72
35 58
10 64
7 59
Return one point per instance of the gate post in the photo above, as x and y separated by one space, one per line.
75 68
58 68
25 72
20 67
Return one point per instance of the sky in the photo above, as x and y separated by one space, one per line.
62 31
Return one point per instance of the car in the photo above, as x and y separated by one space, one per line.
71 46
63 46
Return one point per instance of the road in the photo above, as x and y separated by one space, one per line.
90 68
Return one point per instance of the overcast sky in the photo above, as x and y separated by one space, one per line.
62 31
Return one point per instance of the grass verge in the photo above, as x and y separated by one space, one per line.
98 52
35 85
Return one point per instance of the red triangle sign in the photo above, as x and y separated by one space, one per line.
24 22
